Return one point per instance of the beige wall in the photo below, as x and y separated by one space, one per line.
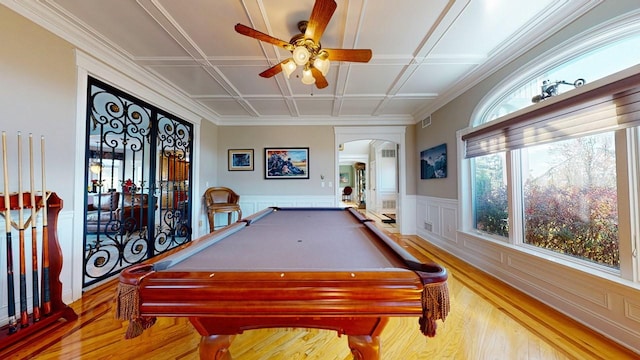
412 158
319 140
38 95
208 155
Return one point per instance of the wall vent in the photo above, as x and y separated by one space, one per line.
428 226
388 204
426 121
388 153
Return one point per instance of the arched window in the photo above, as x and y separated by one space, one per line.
591 56
544 170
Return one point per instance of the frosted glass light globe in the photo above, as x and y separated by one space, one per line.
301 55
307 77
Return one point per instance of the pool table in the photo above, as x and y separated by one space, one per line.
326 268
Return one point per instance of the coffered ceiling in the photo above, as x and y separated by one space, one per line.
425 52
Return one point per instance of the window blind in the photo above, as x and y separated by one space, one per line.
608 104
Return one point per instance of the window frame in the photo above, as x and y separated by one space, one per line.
627 150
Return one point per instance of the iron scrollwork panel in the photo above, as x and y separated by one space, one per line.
126 222
174 170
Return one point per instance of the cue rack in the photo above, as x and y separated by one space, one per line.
30 287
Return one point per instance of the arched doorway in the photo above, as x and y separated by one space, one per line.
393 134
369 168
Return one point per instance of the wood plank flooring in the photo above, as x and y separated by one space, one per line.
488 320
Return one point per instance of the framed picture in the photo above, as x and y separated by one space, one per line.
344 178
433 162
240 160
286 163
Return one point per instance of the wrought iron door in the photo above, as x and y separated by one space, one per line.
138 198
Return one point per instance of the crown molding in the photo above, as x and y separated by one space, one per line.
318 120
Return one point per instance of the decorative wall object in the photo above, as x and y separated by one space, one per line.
433 162
286 163
240 160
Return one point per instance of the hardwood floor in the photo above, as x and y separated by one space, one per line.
488 320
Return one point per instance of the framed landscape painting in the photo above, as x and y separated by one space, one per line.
286 163
240 160
433 162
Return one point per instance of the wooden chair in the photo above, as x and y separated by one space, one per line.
221 200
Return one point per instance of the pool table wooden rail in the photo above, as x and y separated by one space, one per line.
374 293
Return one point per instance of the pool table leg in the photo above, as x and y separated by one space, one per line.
215 347
365 347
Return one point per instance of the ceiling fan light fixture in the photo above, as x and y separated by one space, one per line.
301 55
322 65
307 76
306 49
288 67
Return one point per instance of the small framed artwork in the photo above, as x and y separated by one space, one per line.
286 163
344 178
433 162
240 160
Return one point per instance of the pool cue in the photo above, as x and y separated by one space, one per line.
11 306
24 315
34 238
46 296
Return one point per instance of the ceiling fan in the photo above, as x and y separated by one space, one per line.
306 49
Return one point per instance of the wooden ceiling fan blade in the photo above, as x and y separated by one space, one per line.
320 15
247 31
272 71
321 81
355 55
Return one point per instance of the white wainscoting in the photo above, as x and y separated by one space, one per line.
251 204
599 300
